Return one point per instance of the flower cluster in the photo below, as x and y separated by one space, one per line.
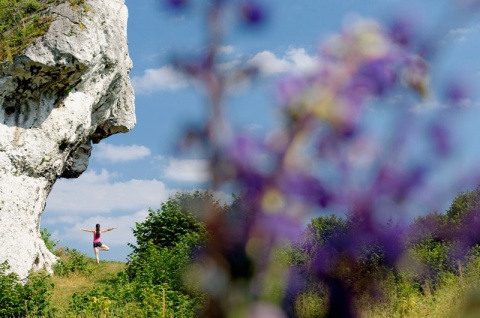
326 157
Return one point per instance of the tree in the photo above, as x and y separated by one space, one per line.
176 219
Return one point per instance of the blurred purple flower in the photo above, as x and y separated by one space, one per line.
415 74
441 138
374 77
457 92
305 187
281 227
252 13
397 184
401 30
176 4
289 89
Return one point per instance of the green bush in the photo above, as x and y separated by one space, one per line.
462 204
311 304
125 298
21 299
160 265
49 243
435 256
323 230
73 262
32 6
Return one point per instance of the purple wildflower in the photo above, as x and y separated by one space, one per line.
401 30
441 139
375 77
252 13
177 4
457 93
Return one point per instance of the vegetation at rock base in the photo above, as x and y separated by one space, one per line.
434 281
23 21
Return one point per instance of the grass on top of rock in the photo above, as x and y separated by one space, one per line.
23 21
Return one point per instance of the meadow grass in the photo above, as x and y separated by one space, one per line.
453 296
66 286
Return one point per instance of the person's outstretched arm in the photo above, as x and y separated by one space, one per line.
108 230
85 230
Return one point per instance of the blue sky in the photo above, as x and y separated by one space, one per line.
130 173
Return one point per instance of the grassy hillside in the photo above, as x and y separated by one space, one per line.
22 21
66 286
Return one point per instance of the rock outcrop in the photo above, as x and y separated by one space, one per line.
68 89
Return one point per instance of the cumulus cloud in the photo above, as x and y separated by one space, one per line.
459 35
113 153
295 60
99 193
226 49
163 78
190 170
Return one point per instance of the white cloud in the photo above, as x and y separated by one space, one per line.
163 78
457 35
113 153
94 193
190 170
295 60
253 127
226 49
460 34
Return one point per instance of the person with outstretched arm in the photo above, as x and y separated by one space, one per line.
97 243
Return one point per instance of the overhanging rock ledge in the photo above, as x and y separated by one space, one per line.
68 89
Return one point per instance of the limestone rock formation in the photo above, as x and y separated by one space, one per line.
68 89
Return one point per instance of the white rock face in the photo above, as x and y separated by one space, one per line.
68 89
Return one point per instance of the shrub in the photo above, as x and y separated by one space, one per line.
311 304
49 243
124 298
158 265
24 298
435 256
73 262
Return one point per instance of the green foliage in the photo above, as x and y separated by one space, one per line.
49 243
19 299
23 21
311 304
92 303
462 204
176 219
133 299
165 241
322 230
79 3
435 256
158 265
152 285
74 262
432 227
